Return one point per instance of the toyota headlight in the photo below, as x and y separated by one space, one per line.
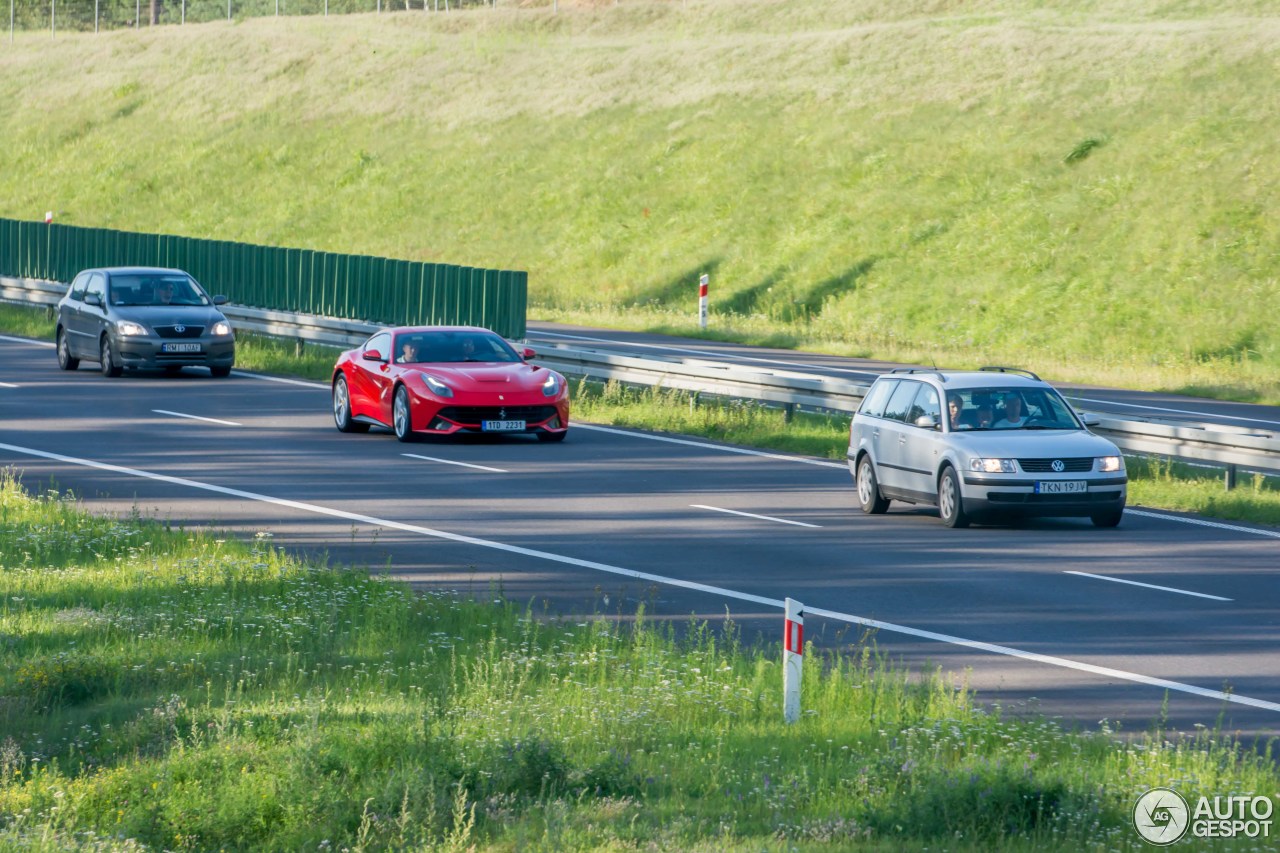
437 387
124 327
1110 464
221 328
551 387
992 466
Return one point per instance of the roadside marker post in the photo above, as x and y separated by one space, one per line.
792 660
48 217
703 280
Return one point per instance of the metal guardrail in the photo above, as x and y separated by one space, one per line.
1214 444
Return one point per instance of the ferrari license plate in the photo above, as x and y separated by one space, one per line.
501 426
179 348
1061 487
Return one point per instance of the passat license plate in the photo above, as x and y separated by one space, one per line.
179 348
1061 487
501 426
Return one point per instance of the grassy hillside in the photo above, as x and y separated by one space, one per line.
1088 189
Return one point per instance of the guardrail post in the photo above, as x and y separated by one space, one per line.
792 659
1229 478
788 412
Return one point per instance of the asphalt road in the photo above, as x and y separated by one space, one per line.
1116 402
1054 615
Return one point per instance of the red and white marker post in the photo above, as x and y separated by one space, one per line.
792 660
48 217
703 281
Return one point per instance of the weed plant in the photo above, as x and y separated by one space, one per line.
163 689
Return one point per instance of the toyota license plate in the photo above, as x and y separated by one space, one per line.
1061 487
502 426
179 348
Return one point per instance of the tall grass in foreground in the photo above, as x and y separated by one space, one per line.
173 690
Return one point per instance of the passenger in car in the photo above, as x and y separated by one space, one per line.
985 415
408 352
1012 413
960 419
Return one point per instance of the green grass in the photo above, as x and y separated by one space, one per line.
183 691
1084 189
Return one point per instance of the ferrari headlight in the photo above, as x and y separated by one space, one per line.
1110 463
221 328
992 466
551 387
437 387
124 327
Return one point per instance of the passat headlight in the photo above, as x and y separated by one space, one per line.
124 327
551 387
1110 463
437 387
992 466
221 328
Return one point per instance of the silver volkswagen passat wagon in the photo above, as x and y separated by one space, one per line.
143 317
985 443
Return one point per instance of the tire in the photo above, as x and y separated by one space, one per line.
950 499
107 357
342 408
869 497
553 436
402 415
220 371
65 360
1107 518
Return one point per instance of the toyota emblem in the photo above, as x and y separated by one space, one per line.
179 329
1058 466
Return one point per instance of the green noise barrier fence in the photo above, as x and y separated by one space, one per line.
354 287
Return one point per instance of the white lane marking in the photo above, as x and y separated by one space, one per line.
451 462
753 515
305 383
7 385
842 465
869 374
1175 411
1203 523
1149 585
677 582
195 417
14 340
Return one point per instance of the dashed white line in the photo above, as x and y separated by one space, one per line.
451 462
1149 586
7 385
1174 411
195 417
753 515
1200 522
742 450
1137 678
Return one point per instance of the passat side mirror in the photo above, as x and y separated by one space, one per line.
1090 419
927 422
372 355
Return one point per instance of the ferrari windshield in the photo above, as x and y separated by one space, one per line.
452 348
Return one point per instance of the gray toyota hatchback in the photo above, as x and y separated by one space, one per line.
140 317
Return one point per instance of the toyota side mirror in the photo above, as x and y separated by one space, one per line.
93 299
220 300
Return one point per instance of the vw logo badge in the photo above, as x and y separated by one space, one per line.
179 329
1058 466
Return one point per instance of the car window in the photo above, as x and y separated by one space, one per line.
380 342
926 403
97 284
78 286
873 403
463 346
900 403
